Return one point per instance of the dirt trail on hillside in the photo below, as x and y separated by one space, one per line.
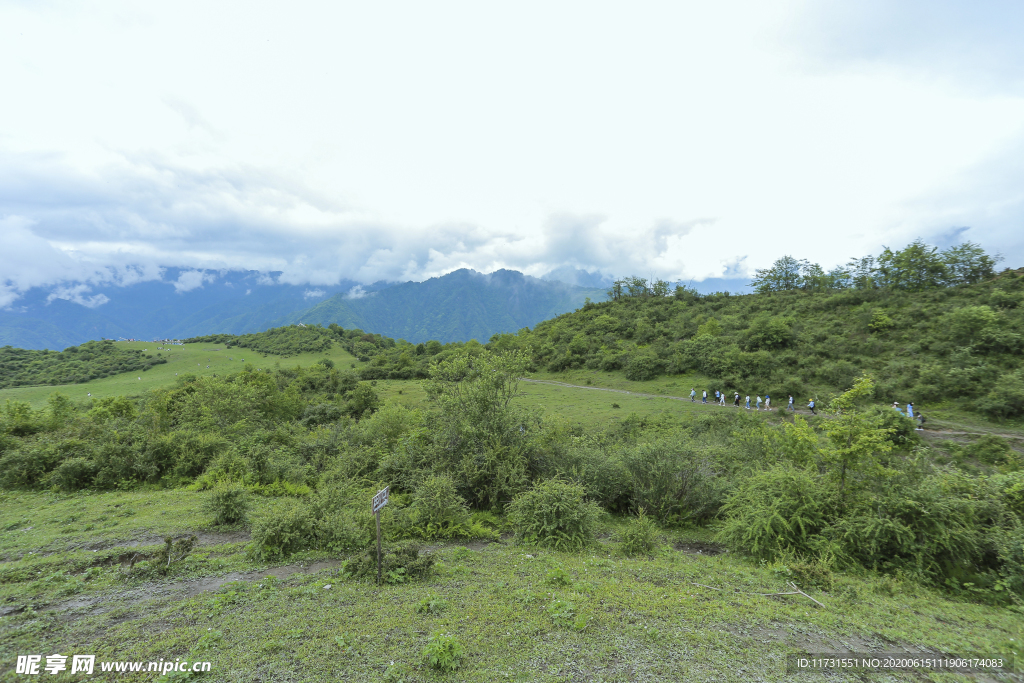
784 408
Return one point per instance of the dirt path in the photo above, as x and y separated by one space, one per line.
184 589
941 433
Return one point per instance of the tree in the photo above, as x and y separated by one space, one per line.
863 274
915 268
783 275
482 438
968 263
854 442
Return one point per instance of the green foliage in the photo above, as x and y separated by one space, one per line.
73 474
281 341
1006 399
642 367
229 503
363 401
74 365
554 513
557 576
278 535
400 562
767 333
640 536
443 652
776 512
481 438
431 604
438 511
673 481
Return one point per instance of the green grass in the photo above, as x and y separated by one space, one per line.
618 619
186 359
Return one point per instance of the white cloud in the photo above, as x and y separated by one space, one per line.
669 139
77 294
191 279
313 293
355 293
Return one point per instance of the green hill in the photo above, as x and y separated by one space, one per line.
459 306
944 341
75 365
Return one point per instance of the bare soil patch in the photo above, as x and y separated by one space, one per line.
187 588
700 548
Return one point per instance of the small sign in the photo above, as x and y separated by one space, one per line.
380 500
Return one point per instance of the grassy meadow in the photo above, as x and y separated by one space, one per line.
520 614
202 360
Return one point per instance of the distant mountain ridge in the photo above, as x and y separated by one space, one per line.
459 306
455 307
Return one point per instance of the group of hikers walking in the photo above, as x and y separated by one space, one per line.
720 400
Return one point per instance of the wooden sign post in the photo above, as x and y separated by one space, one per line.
379 501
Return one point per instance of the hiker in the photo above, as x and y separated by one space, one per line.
737 402
758 402
693 395
748 401
896 407
716 394
704 397
767 402
920 422
910 410
811 406
721 401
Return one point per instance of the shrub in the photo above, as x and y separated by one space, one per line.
400 562
73 474
431 604
321 414
902 429
554 513
21 469
345 530
280 534
1006 398
557 576
673 482
439 510
641 368
229 503
640 536
990 449
443 652
776 512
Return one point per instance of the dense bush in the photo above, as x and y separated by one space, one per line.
777 512
640 536
285 531
438 511
229 504
554 513
673 481
400 562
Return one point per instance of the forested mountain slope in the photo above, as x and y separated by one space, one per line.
459 306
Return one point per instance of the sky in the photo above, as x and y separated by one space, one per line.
403 140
